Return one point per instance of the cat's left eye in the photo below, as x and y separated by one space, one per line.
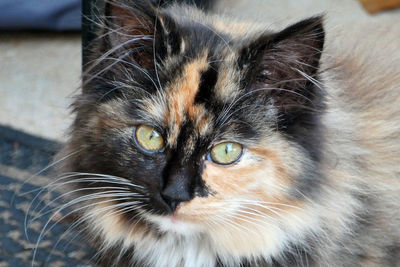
226 153
148 138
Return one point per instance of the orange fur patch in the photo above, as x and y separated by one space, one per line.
280 169
250 181
181 97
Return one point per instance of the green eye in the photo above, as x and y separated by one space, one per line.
148 138
226 153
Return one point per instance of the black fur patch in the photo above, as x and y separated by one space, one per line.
207 83
202 4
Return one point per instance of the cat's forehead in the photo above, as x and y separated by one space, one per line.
180 97
191 98
195 86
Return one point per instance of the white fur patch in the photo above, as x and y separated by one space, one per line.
173 242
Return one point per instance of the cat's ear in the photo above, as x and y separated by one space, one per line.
284 65
138 30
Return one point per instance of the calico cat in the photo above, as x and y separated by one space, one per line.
203 141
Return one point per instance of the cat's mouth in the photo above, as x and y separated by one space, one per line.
173 223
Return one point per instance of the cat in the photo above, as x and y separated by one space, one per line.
202 140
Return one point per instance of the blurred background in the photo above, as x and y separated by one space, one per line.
40 68
40 55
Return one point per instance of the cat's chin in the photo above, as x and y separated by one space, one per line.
173 224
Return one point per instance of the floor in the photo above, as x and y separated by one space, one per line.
40 72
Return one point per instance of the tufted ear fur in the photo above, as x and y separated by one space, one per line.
283 69
284 65
135 36
142 29
131 28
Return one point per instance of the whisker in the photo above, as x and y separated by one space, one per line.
66 232
154 53
43 170
89 197
83 219
234 216
271 203
82 189
99 178
107 54
74 174
68 214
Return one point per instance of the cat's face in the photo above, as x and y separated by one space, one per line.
200 130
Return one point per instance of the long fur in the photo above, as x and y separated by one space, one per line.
318 182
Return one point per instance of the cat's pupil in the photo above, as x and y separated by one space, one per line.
153 134
228 148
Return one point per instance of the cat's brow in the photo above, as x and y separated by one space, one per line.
181 98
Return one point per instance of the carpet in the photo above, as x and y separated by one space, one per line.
23 173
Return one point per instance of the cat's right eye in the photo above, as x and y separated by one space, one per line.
148 138
226 153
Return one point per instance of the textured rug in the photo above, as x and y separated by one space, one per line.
40 237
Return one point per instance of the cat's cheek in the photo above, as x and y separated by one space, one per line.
259 170
112 228
259 183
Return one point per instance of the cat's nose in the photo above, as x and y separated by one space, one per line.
178 185
173 196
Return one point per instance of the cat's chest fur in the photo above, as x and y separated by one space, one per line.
173 250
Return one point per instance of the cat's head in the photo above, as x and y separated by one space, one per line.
193 124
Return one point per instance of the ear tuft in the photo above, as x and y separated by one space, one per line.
129 19
135 35
301 45
286 63
130 25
